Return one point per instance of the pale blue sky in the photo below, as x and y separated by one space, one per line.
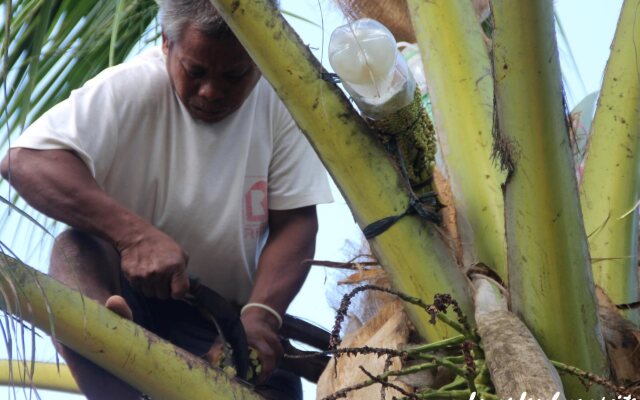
589 25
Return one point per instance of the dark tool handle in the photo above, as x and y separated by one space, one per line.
307 367
297 329
228 319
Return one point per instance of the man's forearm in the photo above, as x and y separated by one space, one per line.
280 276
58 184
281 272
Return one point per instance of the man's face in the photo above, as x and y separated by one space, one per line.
212 77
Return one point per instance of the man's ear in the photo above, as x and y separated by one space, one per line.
166 43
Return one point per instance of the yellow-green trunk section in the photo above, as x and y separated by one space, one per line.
610 187
417 258
136 356
550 279
39 375
458 75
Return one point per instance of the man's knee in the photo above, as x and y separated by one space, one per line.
81 257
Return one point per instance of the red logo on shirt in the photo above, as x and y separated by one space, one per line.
255 201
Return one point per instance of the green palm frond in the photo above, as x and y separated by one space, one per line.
51 47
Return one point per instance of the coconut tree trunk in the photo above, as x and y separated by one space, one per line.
611 184
129 352
550 280
417 258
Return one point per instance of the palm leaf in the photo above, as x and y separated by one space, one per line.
53 47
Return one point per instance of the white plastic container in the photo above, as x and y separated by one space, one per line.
365 57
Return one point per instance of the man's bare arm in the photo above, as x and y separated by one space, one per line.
59 184
280 275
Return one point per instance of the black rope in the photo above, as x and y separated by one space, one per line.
416 203
380 226
416 206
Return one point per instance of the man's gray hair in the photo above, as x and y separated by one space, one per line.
176 15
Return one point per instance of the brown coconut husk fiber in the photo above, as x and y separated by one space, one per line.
394 14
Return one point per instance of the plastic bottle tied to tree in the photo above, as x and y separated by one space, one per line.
364 55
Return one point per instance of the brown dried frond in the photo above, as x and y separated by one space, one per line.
388 329
393 14
449 217
622 338
376 276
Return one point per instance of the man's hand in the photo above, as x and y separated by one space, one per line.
155 264
262 334
280 275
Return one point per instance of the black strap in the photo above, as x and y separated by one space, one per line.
416 204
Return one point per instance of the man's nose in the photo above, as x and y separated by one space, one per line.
210 90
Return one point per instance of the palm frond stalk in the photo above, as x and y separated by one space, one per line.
611 185
417 257
136 356
550 280
460 86
41 375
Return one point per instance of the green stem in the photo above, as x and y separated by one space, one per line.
409 370
457 383
550 280
442 361
458 327
611 184
455 340
458 72
588 378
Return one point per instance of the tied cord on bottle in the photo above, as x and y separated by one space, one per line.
364 54
416 206
409 136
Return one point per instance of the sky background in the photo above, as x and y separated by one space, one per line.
589 26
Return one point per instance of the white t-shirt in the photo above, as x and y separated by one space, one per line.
208 186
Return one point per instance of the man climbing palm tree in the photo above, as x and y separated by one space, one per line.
175 163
